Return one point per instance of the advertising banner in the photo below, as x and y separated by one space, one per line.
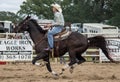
15 50
113 48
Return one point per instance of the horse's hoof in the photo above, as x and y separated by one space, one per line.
33 62
56 76
37 64
71 69
61 73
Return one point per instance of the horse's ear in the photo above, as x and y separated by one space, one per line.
28 17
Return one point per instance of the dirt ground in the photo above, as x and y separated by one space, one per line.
86 72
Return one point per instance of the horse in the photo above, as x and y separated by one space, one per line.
75 44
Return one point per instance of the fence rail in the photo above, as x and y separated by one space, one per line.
89 53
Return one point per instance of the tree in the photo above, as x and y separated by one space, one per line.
36 7
115 20
75 10
9 16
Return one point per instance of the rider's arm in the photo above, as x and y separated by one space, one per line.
58 19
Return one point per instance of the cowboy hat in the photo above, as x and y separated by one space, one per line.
58 7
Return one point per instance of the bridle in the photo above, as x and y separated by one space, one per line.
24 23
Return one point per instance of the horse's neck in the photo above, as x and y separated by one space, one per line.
35 35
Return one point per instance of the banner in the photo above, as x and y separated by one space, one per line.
15 50
113 48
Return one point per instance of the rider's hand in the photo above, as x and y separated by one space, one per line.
48 26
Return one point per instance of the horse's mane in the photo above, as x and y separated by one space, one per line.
38 27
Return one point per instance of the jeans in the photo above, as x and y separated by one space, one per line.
52 32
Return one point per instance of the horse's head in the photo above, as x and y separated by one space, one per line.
22 26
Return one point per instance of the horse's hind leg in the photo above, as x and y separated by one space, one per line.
75 57
72 55
72 61
80 58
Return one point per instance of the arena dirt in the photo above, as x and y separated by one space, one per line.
86 72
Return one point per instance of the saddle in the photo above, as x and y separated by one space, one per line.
57 37
62 35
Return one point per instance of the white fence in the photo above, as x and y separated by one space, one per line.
93 53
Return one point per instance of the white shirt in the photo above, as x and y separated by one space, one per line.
58 19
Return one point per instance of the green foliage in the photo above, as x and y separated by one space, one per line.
41 8
9 16
73 10
115 19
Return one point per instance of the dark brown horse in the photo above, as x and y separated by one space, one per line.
75 44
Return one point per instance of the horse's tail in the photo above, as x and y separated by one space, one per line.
100 42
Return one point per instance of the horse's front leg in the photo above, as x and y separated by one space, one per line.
38 57
45 57
49 67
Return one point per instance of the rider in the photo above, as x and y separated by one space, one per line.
56 26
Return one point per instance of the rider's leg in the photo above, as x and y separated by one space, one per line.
52 32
